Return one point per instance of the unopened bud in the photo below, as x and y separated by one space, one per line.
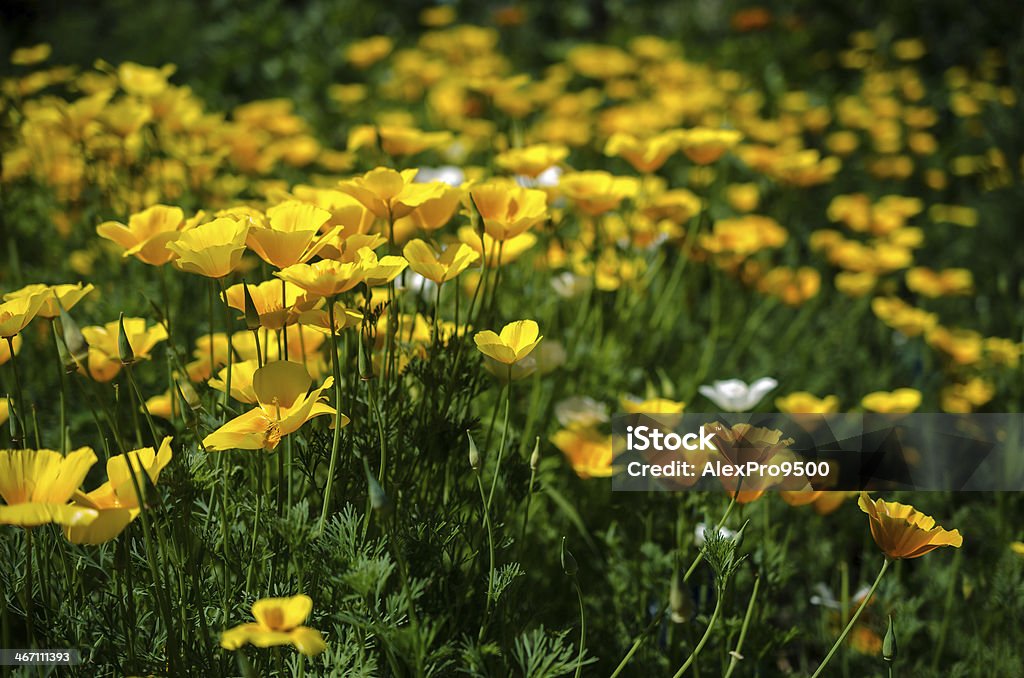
124 347
379 500
73 340
535 457
889 649
680 600
252 316
474 453
569 565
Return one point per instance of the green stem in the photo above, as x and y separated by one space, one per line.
29 550
703 640
853 619
490 553
336 371
583 627
504 435
736 656
63 391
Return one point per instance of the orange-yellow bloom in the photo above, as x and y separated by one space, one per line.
147 234
292 235
507 208
276 307
589 452
390 194
597 192
18 312
278 622
116 501
530 161
69 295
516 341
37 486
645 155
326 278
213 250
104 361
284 404
439 267
902 531
900 401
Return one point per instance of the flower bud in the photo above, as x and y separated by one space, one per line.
889 649
535 457
680 601
73 340
252 316
474 453
124 347
379 500
569 565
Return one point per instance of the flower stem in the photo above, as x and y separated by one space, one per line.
490 553
583 627
736 656
336 372
29 549
703 640
853 619
504 435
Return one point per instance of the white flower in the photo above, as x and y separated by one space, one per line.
699 537
568 284
546 179
581 412
446 174
733 395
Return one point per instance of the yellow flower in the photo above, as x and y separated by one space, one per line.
18 312
704 145
5 411
147 233
963 346
276 307
397 141
326 278
903 317
284 404
530 161
278 622
144 81
69 295
802 402
439 267
320 319
744 235
516 341
434 213
380 271
589 452
645 155
597 192
365 53
902 531
104 361
37 485
743 197
213 250
116 501
900 401
26 56
933 284
390 194
241 381
508 209
292 235
855 284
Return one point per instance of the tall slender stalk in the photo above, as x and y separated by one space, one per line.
335 444
853 619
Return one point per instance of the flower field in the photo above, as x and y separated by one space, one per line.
323 381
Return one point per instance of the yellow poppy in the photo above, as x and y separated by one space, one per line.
530 161
213 250
38 484
390 194
104 360
284 404
507 208
147 233
278 622
901 531
516 341
379 271
802 402
326 278
644 154
69 295
704 145
116 501
292 234
597 192
589 452
277 302
439 267
900 401
18 312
